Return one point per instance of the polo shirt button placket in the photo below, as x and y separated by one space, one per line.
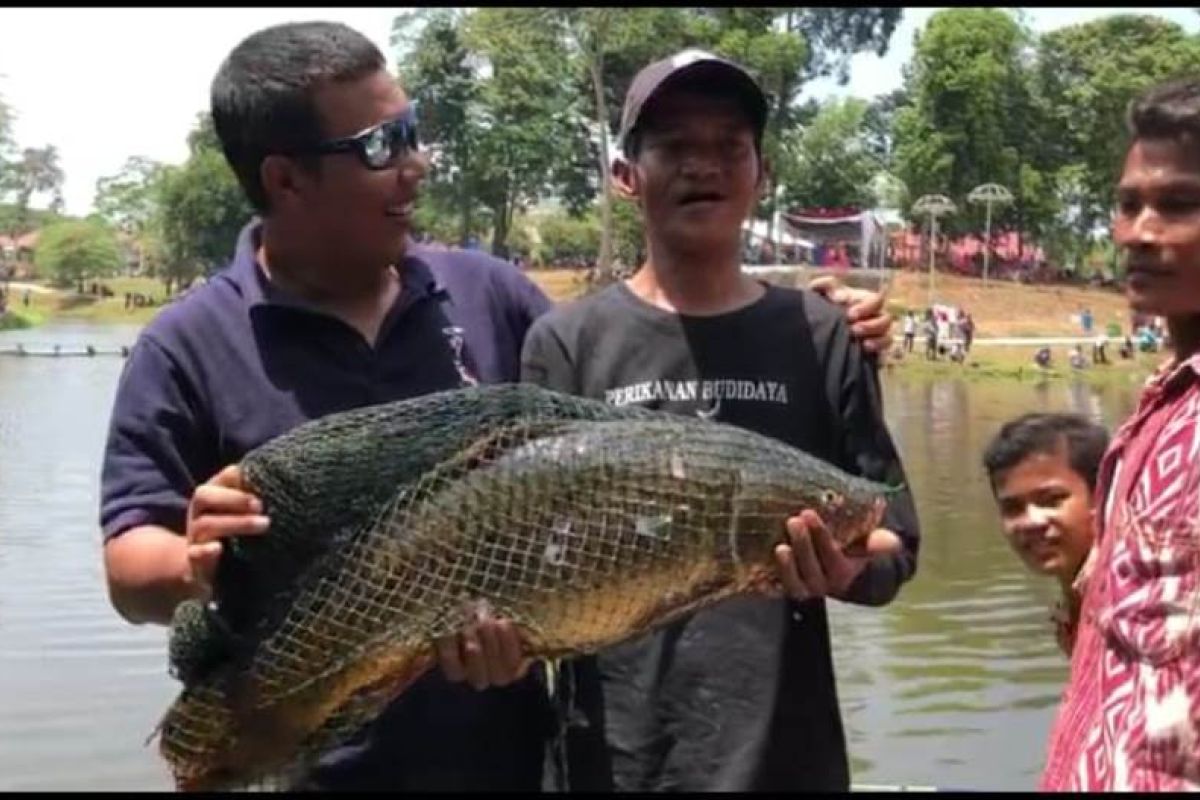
370 369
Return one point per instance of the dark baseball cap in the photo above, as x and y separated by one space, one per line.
692 63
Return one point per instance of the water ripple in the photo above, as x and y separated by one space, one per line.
953 684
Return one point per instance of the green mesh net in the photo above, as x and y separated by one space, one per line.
391 526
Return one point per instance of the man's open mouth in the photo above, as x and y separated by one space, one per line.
694 198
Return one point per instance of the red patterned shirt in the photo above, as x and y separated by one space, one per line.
1130 716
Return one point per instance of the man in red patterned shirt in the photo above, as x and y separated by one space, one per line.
1130 718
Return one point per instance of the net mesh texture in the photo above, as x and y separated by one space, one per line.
584 524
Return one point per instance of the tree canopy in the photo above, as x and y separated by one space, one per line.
519 108
76 250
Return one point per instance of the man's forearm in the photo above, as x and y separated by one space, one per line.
148 574
880 581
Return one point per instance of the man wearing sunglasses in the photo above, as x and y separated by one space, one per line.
327 306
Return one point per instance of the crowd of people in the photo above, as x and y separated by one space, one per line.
947 331
326 306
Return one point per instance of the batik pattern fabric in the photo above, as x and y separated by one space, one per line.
1130 717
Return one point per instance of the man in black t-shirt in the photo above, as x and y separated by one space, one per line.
740 696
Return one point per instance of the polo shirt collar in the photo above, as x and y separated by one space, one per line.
416 275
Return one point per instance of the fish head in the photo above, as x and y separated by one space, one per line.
850 510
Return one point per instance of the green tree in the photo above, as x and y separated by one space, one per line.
879 122
595 37
1085 76
73 251
130 202
7 144
126 200
202 209
36 172
524 114
966 84
565 238
829 163
435 68
23 174
505 129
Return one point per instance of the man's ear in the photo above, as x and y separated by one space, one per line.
624 179
283 180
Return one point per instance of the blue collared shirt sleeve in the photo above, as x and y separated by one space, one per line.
525 300
158 448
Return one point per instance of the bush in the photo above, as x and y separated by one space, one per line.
69 252
14 320
567 240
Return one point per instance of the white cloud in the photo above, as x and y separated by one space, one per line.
105 84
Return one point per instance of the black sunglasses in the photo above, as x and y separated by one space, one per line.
377 147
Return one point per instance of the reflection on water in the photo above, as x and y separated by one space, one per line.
80 690
952 685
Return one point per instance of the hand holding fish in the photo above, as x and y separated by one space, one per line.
487 653
813 565
221 507
869 320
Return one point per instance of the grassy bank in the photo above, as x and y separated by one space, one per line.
1015 362
70 305
1000 309
17 320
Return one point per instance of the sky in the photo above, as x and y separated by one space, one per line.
102 85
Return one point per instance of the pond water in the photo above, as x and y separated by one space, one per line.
953 685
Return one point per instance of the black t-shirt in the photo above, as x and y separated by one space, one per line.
740 696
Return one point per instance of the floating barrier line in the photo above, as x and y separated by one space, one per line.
59 351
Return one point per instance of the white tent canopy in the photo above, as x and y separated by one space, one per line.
759 230
868 228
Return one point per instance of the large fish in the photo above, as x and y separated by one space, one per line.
585 524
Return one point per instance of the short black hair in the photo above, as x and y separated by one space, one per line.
263 94
1038 432
1168 110
712 84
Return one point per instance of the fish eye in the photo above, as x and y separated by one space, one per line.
829 497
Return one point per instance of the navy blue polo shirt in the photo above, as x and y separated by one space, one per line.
237 362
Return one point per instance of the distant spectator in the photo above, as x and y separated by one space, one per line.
966 329
1042 357
1076 358
1098 354
931 336
910 331
1126 349
943 326
1085 319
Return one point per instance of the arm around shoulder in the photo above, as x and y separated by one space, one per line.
868 450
